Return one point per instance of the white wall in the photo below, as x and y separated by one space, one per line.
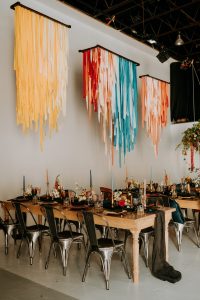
77 147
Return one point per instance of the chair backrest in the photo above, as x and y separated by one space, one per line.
7 212
90 227
107 193
20 210
49 213
47 210
177 215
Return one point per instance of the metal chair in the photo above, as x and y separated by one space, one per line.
196 216
8 225
104 247
31 234
62 239
182 222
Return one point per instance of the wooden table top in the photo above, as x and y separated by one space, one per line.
192 203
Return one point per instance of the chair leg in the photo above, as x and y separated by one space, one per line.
145 241
8 232
54 249
87 264
196 235
32 239
104 232
106 261
64 248
40 243
19 249
179 233
125 263
6 243
48 257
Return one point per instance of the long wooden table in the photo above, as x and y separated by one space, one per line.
132 221
193 203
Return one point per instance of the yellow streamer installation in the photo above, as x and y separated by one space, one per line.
41 65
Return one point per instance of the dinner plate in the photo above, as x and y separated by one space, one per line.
114 213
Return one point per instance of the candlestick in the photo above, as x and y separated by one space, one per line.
24 184
47 183
126 178
47 176
145 187
90 180
166 179
112 186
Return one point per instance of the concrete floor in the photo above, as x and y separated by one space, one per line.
149 287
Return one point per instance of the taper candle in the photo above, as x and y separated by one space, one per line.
90 180
145 187
24 184
112 186
151 175
47 177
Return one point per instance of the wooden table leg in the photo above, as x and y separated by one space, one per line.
39 219
167 219
135 256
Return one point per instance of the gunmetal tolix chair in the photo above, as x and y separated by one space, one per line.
8 225
32 233
182 222
62 239
103 247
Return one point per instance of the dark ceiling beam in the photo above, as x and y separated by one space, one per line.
192 41
113 8
179 29
166 12
120 12
184 13
95 10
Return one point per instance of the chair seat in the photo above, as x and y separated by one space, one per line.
106 243
188 220
67 234
38 227
147 230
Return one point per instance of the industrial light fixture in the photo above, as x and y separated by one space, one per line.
134 31
179 41
151 41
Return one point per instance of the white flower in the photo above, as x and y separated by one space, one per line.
55 193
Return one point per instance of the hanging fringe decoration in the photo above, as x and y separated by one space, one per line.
110 87
155 102
41 65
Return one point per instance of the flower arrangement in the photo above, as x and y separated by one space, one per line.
122 199
191 142
58 190
31 191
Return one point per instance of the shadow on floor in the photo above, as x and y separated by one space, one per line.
14 287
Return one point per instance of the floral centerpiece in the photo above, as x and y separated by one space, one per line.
58 190
31 191
191 142
122 199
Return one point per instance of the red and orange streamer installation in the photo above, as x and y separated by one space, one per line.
155 103
110 89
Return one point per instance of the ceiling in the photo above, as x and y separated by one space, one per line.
159 20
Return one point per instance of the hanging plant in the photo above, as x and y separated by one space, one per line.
191 142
